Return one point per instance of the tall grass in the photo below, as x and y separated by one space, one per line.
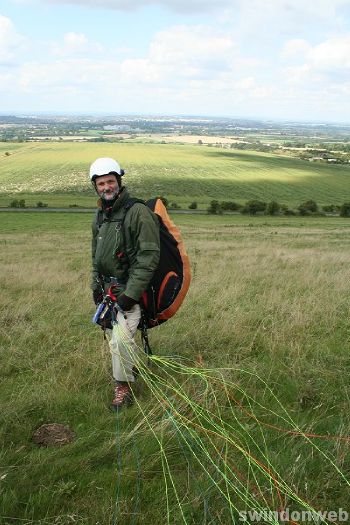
254 364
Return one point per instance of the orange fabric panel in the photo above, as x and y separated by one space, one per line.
169 312
163 285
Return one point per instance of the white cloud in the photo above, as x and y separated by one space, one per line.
175 56
203 69
331 55
75 44
327 63
292 11
295 48
181 6
135 86
10 41
321 8
6 81
262 22
140 71
37 77
183 63
297 74
191 45
180 54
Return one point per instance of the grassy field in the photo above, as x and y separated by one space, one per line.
56 173
266 320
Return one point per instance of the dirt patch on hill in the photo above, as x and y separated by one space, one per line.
53 434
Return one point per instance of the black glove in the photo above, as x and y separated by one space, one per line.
125 302
97 296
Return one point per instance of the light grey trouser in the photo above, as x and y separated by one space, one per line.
124 350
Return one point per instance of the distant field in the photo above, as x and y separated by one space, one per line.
56 173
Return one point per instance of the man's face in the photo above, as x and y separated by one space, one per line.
107 187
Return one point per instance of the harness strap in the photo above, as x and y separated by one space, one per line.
144 334
129 203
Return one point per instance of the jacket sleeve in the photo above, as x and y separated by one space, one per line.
94 276
143 231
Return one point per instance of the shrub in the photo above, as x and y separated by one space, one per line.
308 207
230 206
175 206
253 207
273 208
41 204
303 211
193 205
7 153
18 203
329 208
214 208
286 211
345 209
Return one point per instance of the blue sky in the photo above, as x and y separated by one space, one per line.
277 59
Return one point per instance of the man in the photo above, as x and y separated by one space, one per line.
125 254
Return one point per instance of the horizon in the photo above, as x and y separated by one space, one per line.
38 114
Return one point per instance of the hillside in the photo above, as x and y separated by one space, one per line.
245 403
57 174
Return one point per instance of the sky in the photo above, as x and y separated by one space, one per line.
267 59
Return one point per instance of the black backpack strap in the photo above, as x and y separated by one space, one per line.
99 214
143 322
99 218
129 204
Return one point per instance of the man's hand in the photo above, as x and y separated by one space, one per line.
125 302
97 296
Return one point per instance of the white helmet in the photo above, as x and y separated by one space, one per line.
104 166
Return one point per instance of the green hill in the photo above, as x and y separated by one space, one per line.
245 403
57 174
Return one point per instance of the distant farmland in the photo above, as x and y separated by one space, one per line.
56 173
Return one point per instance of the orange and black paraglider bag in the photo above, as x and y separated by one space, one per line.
172 278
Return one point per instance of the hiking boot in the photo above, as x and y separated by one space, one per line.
123 396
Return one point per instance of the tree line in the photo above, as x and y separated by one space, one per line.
251 207
254 207
257 207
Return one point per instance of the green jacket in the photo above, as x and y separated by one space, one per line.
128 252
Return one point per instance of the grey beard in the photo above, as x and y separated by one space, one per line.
109 196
